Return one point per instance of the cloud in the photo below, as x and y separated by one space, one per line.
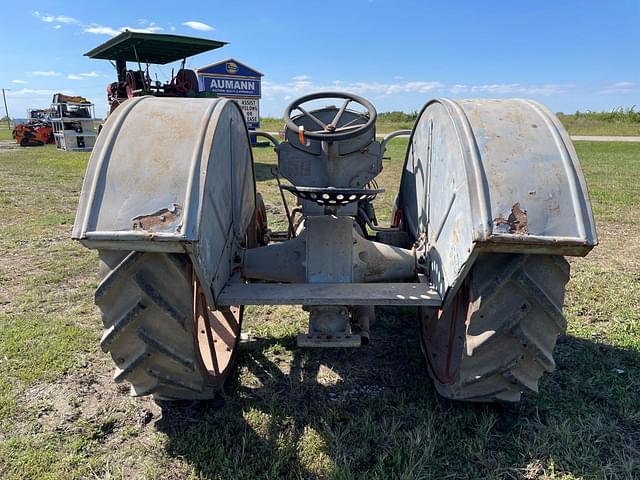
203 27
362 88
172 28
620 88
97 29
301 77
19 81
49 73
29 91
405 91
101 30
56 18
152 28
25 98
71 76
519 89
89 74
104 30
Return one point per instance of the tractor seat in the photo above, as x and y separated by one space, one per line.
333 196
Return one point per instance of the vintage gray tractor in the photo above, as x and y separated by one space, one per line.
491 199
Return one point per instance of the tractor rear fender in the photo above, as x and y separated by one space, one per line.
492 175
171 175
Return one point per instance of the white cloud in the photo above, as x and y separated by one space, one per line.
172 28
152 28
203 27
400 89
100 30
104 30
65 19
620 87
362 88
57 27
56 18
458 88
49 73
19 81
25 98
301 77
146 26
71 76
29 91
88 74
519 89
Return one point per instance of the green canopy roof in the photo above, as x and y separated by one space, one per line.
155 48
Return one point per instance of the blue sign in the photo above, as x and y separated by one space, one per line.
233 79
229 86
229 67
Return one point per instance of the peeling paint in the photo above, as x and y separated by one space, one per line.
516 222
164 216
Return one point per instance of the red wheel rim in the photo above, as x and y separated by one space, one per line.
443 335
217 334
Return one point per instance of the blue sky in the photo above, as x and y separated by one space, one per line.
567 54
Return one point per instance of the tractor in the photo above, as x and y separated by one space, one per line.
36 131
491 200
147 49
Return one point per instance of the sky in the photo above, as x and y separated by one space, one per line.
570 55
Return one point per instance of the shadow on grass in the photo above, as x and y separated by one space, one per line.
263 171
372 413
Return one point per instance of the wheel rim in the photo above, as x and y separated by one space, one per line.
443 335
217 334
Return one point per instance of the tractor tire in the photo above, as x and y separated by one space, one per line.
155 318
496 338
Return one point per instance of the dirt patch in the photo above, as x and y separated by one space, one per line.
87 396
8 146
89 406
618 248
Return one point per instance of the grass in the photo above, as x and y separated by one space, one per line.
617 122
290 413
5 132
386 122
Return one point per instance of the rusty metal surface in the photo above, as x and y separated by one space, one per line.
494 175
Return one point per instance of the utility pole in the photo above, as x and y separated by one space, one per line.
6 110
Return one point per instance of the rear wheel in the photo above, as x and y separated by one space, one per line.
496 338
162 335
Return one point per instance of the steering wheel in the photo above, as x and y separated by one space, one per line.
331 132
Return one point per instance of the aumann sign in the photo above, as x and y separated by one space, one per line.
233 79
232 87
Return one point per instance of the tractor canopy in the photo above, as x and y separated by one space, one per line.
152 48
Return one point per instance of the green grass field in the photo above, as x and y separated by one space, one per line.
5 132
617 122
290 413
